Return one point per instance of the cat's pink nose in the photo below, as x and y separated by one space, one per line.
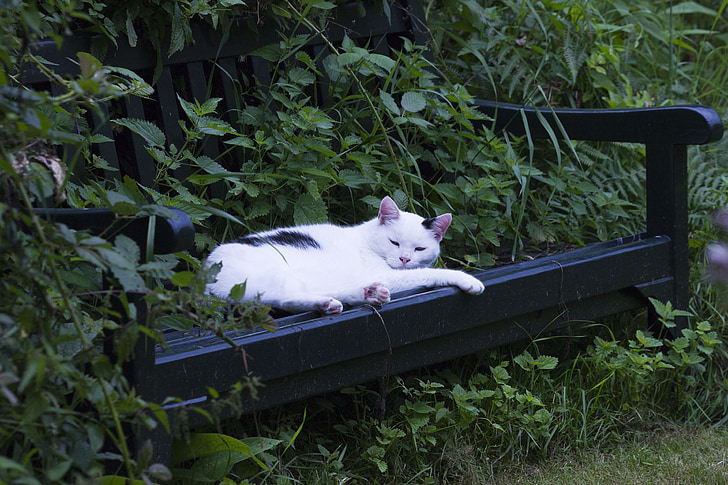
404 260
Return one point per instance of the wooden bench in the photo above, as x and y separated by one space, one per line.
310 354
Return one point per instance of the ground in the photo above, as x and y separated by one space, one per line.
669 455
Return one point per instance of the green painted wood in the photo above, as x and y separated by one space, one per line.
671 125
667 213
173 234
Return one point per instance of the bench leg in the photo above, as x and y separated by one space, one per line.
140 373
667 214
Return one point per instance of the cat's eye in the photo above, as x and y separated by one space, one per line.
419 249
394 242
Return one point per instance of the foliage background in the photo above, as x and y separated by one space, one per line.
66 406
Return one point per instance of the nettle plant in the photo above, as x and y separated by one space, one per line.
510 405
388 128
329 134
489 407
659 370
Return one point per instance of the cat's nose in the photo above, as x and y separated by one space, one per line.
404 260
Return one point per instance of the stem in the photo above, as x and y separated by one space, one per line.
121 441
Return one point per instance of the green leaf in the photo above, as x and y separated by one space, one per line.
130 31
418 122
500 374
117 480
241 141
547 362
35 404
159 268
193 208
309 210
57 471
237 292
422 408
215 445
400 198
210 166
687 8
348 58
149 131
389 102
280 11
8 464
209 106
386 63
121 204
214 126
177 35
123 270
189 109
183 278
89 64
523 360
324 5
353 178
304 77
647 340
270 52
128 247
413 101
542 416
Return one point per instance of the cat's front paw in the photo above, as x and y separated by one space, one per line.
331 306
376 294
471 285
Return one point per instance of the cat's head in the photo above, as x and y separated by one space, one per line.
406 240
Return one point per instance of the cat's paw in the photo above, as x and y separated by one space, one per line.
471 285
376 294
331 306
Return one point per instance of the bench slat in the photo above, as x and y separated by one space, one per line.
172 234
107 151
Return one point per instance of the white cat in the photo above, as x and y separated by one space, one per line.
320 267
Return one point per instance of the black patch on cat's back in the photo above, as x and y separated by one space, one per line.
283 237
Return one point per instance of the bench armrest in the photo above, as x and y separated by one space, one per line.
673 125
170 234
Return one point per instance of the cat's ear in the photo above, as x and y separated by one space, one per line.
388 211
438 225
